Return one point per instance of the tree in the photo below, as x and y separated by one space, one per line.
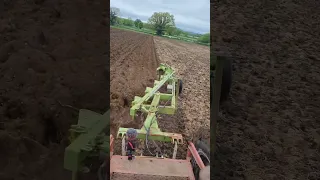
128 22
161 20
171 30
114 13
205 38
147 26
138 23
120 21
178 32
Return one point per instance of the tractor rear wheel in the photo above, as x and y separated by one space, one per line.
204 153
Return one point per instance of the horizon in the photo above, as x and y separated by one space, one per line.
190 16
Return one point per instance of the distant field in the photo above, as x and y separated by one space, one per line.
152 32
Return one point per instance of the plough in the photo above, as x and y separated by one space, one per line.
162 98
90 138
150 105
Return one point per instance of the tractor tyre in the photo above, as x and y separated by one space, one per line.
204 153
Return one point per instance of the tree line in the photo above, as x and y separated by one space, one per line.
161 22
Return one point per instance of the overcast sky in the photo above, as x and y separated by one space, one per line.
190 15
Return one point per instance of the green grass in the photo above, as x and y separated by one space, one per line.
152 32
143 30
186 39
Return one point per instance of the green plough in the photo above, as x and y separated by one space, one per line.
162 98
150 105
89 138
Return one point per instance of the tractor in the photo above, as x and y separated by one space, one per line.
90 137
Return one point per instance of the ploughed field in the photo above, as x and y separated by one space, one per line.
134 60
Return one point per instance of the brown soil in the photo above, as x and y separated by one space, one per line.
270 129
133 68
191 63
50 52
133 65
